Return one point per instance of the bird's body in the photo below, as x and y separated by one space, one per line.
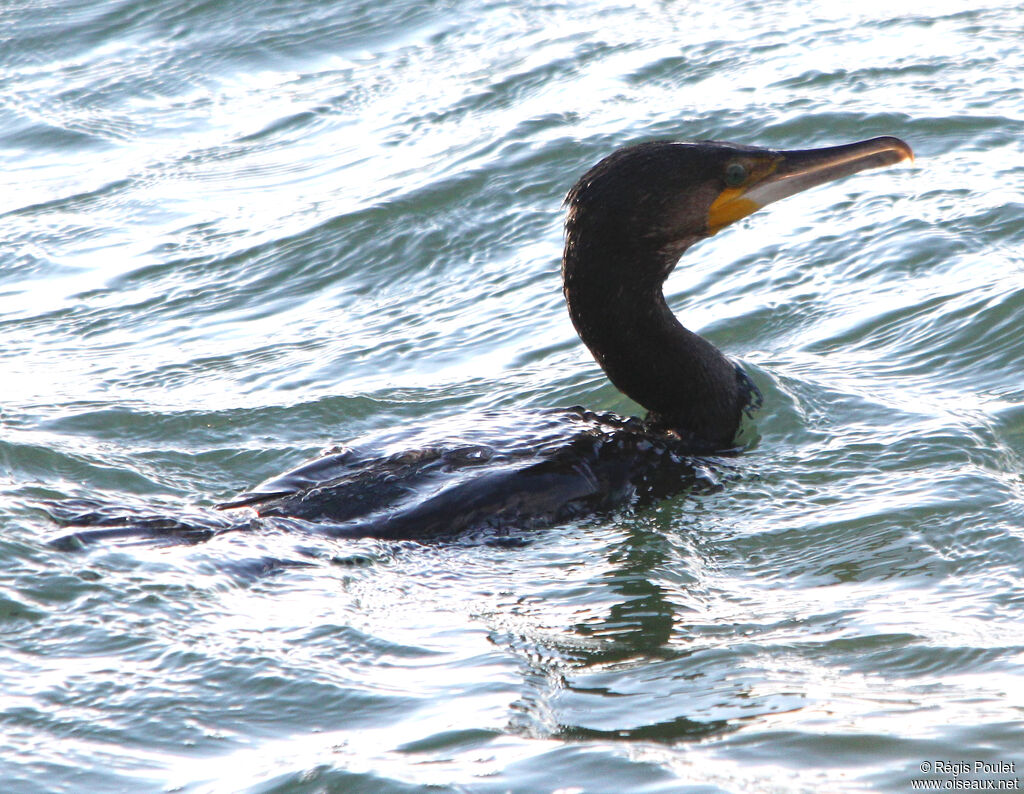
565 463
630 218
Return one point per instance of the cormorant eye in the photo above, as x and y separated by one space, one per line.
735 174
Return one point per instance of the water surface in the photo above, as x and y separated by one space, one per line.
233 237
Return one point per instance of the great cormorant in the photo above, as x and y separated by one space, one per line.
630 218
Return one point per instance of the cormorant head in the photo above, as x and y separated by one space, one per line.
645 204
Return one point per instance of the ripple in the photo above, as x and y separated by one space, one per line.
235 240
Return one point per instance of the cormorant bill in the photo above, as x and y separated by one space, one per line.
630 219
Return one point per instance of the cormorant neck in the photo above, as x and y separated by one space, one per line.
684 381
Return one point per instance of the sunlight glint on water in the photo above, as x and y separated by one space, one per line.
234 239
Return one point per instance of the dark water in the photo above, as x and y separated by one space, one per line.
236 234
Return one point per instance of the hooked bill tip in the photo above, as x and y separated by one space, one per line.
897 146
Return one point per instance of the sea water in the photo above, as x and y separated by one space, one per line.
236 234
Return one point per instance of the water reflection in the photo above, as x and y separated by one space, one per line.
635 668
